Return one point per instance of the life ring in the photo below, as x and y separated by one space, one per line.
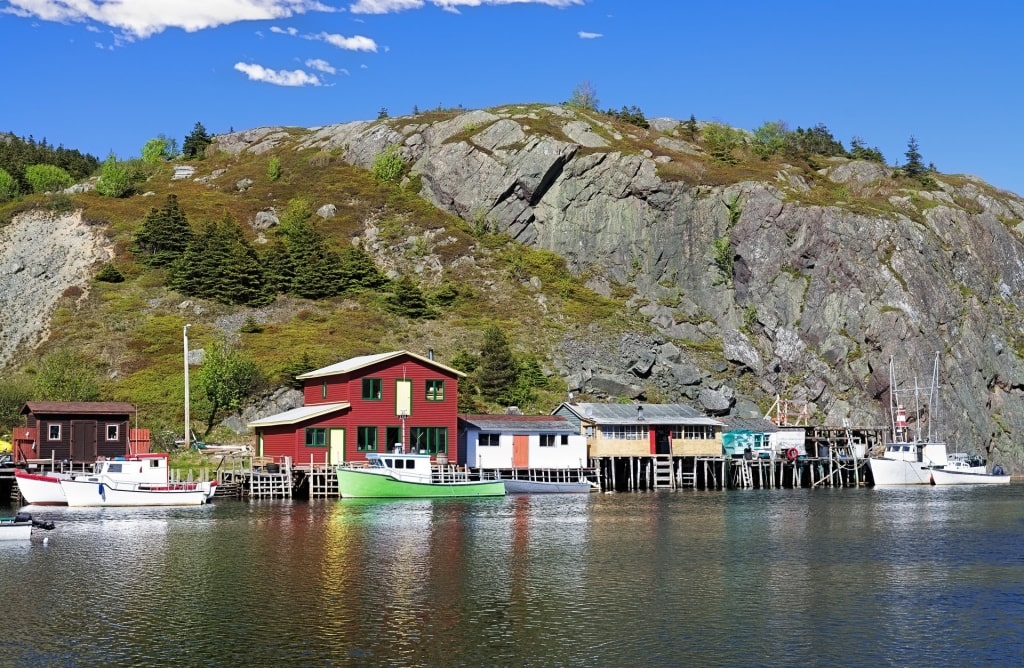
792 454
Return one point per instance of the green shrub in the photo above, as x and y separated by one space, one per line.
388 165
47 178
274 169
115 180
109 274
8 187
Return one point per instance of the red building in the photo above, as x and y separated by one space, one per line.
366 404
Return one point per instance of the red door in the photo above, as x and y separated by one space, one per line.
520 451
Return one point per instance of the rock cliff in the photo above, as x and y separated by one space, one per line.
800 284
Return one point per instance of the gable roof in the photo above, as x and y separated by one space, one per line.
356 363
665 414
520 423
300 414
77 407
749 424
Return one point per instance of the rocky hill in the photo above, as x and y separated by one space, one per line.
738 282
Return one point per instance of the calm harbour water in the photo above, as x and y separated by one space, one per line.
900 576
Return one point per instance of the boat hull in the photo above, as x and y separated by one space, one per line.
896 472
15 530
40 490
947 477
357 484
545 487
93 493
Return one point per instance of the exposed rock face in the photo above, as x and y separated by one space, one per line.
804 301
41 256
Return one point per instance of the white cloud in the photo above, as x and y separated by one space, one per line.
285 31
278 77
320 66
389 6
589 35
356 43
144 18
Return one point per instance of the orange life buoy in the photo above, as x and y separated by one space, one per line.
792 454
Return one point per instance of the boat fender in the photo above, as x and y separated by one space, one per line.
792 454
997 470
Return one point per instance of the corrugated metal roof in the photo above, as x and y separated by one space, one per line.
77 407
521 423
356 363
667 414
750 424
299 414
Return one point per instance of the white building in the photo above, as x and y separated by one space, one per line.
521 441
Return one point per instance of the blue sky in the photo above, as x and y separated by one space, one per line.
107 75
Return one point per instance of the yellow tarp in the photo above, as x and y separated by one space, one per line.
5 446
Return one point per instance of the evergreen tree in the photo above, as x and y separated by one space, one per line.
278 271
914 168
858 151
408 300
163 235
497 371
220 264
316 271
691 127
195 144
358 270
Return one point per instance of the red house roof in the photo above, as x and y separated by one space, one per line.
356 363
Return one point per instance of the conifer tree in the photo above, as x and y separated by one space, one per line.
497 371
407 299
220 264
914 168
195 144
163 235
278 271
358 270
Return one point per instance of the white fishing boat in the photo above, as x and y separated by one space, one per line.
20 527
146 470
521 486
964 469
137 480
912 452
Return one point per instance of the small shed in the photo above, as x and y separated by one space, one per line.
74 431
638 430
521 441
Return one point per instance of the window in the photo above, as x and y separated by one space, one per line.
488 439
431 440
547 440
372 388
627 432
323 390
316 437
53 432
565 439
111 432
367 439
435 390
697 431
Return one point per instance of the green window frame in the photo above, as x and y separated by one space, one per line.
431 440
435 390
366 439
316 437
373 389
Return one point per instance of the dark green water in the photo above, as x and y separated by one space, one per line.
906 577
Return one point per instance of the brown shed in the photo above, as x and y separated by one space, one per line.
76 431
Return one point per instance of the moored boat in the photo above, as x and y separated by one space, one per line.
20 527
910 455
520 486
967 470
409 476
139 472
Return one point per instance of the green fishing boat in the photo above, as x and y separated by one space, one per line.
409 476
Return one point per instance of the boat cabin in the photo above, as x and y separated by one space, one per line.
403 466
